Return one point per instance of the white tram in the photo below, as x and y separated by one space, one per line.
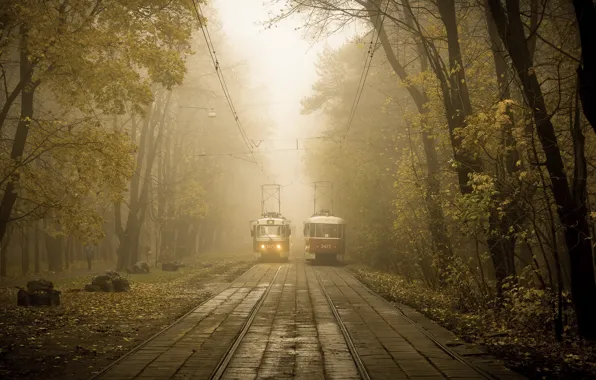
271 237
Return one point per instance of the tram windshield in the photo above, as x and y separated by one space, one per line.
270 231
326 230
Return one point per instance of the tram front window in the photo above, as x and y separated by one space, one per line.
327 230
270 231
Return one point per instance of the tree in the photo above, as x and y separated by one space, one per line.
457 106
512 140
585 11
571 201
85 60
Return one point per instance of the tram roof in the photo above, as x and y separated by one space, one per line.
275 220
325 219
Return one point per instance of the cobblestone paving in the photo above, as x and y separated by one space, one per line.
192 348
389 345
294 334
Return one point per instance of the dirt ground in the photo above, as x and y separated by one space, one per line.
90 330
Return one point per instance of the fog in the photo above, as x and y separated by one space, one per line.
281 65
458 138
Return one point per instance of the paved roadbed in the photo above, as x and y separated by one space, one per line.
298 321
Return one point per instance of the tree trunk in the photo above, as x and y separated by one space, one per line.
128 243
199 237
502 249
585 12
4 243
54 246
184 239
458 107
24 252
572 211
432 198
146 134
205 230
129 238
214 240
18 147
69 242
37 247
501 242
456 96
194 232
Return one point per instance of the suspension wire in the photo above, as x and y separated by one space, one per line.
263 151
222 81
363 76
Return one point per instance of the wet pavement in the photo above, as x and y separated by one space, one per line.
297 321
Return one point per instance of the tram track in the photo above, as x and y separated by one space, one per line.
139 348
144 343
220 370
362 371
253 328
484 374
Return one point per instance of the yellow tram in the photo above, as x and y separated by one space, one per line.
271 237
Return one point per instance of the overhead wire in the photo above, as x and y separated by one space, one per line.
363 75
222 81
241 153
271 150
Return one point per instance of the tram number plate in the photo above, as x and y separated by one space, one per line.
269 246
326 246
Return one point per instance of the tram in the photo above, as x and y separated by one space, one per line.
325 237
271 237
271 232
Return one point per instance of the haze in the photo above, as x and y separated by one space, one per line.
305 189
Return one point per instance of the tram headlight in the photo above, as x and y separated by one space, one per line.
263 246
278 246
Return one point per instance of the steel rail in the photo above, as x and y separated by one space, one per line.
225 361
349 342
434 339
147 341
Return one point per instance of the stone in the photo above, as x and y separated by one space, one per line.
100 280
23 298
50 298
39 285
92 288
121 284
112 274
108 287
169 267
110 282
39 293
139 268
104 282
144 266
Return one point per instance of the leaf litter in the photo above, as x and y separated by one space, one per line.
89 330
533 354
